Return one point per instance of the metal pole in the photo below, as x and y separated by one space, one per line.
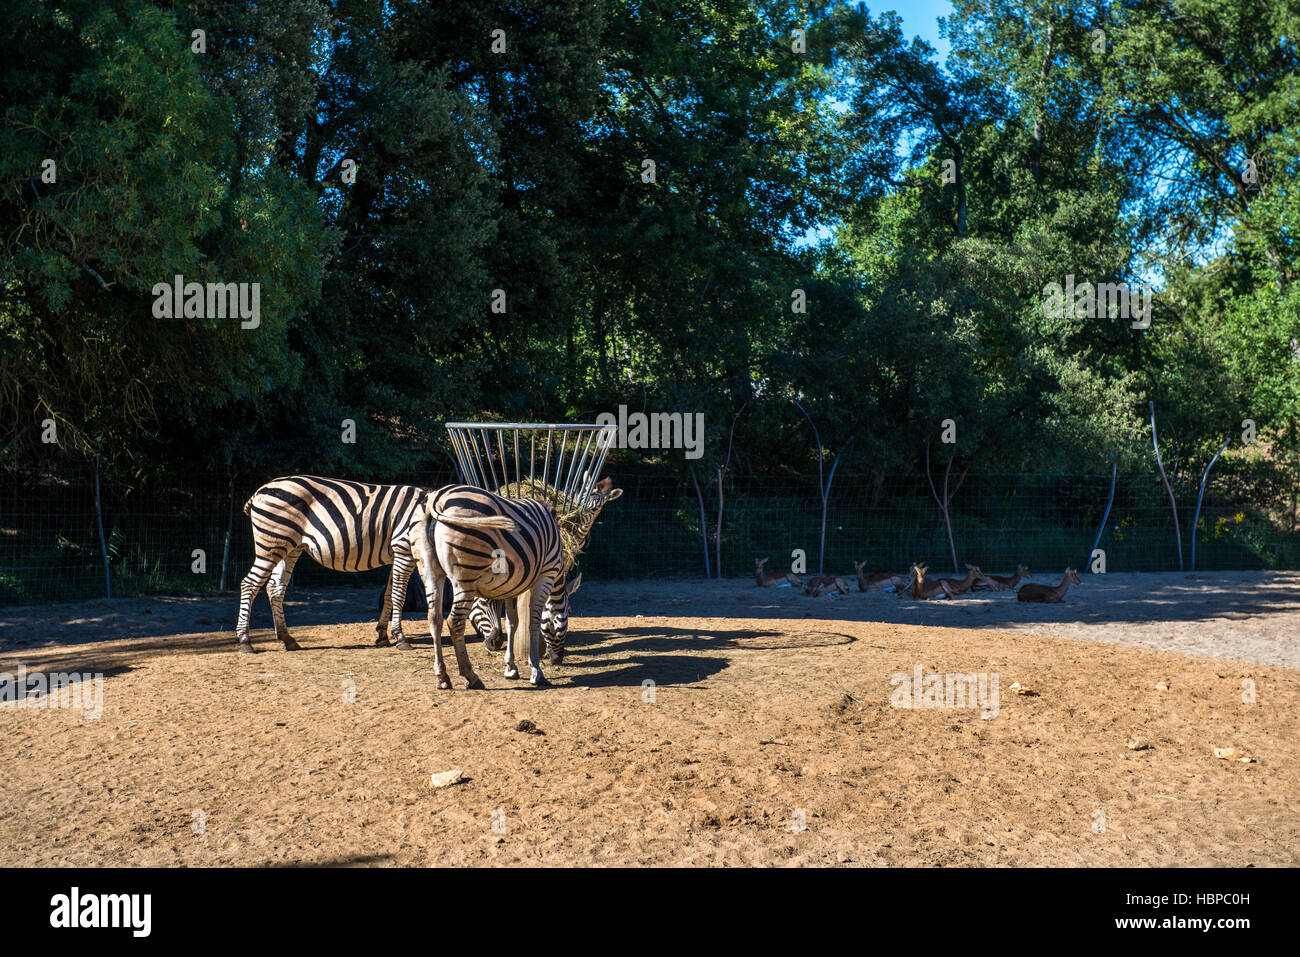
1201 494
103 543
1178 535
230 521
1106 515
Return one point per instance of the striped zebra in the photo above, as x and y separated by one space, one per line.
555 622
520 564
484 620
343 525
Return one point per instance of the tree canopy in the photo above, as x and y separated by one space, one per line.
543 209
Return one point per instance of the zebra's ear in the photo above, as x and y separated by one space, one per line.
614 494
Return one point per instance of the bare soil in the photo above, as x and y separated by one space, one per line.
693 723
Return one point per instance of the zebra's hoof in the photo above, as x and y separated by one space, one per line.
511 671
473 683
444 683
246 648
538 680
291 645
382 641
402 645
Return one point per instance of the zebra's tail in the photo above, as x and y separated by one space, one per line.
248 506
482 521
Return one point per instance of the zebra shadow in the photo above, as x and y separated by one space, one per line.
635 672
598 642
632 656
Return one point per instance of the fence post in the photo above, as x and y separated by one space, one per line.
230 521
717 541
825 497
704 529
943 504
1178 535
103 543
1201 494
1110 501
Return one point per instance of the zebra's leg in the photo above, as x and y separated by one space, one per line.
431 577
461 602
531 604
403 563
385 613
439 663
512 622
253 583
276 586
433 597
432 574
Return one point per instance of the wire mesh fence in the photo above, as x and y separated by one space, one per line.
195 538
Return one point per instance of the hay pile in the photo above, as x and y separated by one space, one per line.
570 528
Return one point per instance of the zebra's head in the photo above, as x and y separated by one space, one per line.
602 492
555 618
485 620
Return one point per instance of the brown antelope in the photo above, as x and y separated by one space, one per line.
922 590
766 579
1035 592
872 580
825 585
959 586
1003 582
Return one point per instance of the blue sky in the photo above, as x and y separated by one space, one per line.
919 19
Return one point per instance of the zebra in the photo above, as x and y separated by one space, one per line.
484 616
521 564
555 621
484 620
343 525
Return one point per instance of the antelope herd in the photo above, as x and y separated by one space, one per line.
918 584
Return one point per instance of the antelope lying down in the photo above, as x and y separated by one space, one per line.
874 580
959 586
825 585
922 590
766 579
1003 582
1047 593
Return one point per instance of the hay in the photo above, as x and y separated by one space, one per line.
570 526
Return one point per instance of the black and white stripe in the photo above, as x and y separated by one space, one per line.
347 526
555 619
486 619
519 564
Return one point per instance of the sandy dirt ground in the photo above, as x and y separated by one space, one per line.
707 723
